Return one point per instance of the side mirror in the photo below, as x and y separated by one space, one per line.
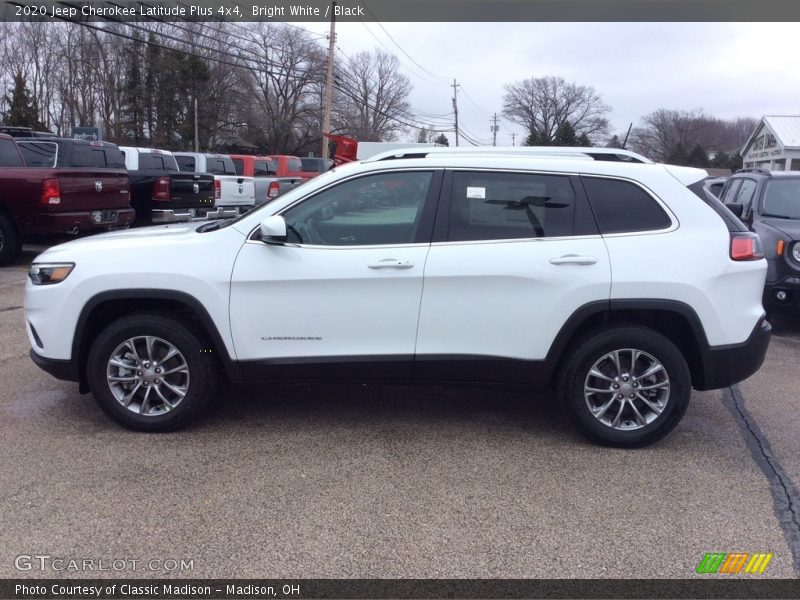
736 208
273 230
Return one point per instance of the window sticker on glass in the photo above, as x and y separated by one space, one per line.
476 192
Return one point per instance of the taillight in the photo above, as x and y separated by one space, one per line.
273 190
161 189
746 246
51 192
217 189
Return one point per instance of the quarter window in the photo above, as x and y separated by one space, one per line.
623 207
39 154
385 208
500 206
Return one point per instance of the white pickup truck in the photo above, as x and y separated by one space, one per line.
233 194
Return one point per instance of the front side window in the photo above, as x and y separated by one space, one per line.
263 168
623 207
745 194
499 206
238 164
39 154
219 166
384 208
782 198
186 163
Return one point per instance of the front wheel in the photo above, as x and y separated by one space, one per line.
626 387
151 372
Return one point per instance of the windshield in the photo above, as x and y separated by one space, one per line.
782 198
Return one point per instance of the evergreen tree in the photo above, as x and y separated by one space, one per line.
698 157
565 135
22 110
678 156
442 139
584 141
614 142
534 139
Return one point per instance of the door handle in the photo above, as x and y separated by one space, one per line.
391 263
573 259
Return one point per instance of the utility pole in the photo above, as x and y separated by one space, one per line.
513 137
326 120
495 128
455 105
196 133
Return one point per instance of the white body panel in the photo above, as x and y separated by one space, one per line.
322 301
506 298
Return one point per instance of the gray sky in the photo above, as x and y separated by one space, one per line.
726 69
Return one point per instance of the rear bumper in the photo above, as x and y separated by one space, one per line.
725 365
178 215
78 222
784 292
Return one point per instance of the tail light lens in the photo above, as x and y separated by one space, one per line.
746 246
217 189
161 189
273 190
51 192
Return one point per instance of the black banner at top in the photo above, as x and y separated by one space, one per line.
401 10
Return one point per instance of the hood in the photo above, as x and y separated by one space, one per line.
790 227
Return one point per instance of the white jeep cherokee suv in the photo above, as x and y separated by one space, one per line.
617 281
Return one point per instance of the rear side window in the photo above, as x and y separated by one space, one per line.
39 154
186 163
238 164
501 206
623 207
84 155
114 157
9 155
261 168
294 165
219 166
156 162
311 165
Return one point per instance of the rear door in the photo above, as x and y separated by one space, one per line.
514 255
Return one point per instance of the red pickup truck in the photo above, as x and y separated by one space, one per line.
39 200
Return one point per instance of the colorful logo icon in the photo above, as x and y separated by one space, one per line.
734 563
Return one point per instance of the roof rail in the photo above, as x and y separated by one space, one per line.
606 154
761 170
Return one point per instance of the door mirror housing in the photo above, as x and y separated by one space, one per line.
273 230
736 208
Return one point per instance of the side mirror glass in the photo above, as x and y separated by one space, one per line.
273 230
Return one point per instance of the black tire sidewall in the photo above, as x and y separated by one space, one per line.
202 370
584 355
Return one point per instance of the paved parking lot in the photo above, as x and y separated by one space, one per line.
374 481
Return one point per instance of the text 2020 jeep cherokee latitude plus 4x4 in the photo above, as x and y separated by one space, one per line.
613 279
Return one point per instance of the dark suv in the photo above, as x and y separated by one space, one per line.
769 203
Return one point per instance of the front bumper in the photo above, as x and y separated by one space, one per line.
65 370
725 365
784 292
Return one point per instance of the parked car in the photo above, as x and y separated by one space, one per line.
233 194
314 165
288 166
715 185
622 284
161 193
769 203
70 195
263 169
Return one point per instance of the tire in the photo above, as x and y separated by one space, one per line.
10 240
603 360
146 399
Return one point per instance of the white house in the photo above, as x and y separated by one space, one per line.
774 144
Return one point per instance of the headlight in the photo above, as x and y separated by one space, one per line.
796 252
47 273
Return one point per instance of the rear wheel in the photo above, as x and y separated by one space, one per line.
10 240
626 387
151 372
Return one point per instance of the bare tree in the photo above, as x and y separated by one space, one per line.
664 130
543 105
372 98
